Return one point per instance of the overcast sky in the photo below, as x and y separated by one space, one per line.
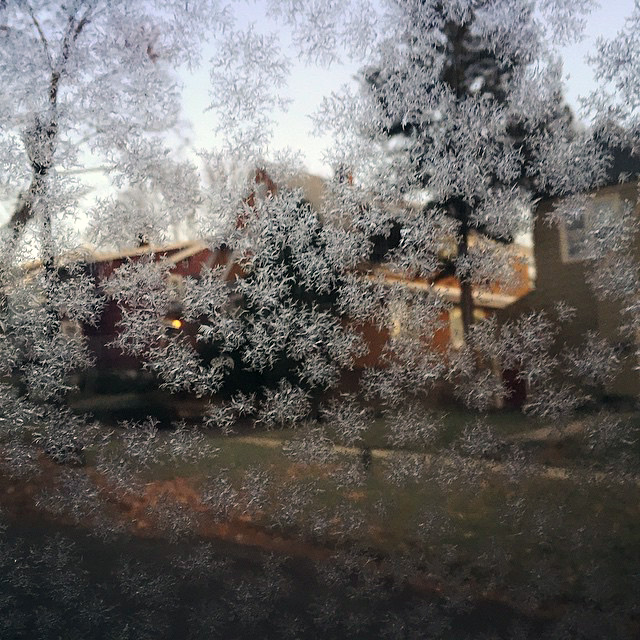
308 85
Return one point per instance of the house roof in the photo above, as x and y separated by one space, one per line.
174 252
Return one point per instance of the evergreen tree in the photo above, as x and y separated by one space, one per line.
453 89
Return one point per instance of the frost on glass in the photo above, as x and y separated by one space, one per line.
334 387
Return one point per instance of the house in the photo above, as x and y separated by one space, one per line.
183 259
562 276
187 259
487 300
115 371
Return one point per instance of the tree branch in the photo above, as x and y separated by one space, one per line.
49 126
43 39
73 31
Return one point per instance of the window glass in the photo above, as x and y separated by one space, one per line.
574 233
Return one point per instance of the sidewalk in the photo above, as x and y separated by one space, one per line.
542 471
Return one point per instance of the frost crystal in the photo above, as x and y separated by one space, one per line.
389 315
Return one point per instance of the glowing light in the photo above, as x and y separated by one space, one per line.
176 324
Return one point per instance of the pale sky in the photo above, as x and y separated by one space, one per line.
308 85
605 21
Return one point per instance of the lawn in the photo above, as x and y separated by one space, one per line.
504 527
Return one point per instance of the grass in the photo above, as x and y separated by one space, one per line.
473 509
482 528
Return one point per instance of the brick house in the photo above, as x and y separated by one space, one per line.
187 259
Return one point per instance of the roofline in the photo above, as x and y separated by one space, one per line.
184 250
449 293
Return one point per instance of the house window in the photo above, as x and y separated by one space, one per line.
574 234
175 286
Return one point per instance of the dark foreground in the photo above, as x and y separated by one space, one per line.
58 582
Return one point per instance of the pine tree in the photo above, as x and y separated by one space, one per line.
452 87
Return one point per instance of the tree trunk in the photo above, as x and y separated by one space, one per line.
24 209
466 306
466 288
41 138
40 144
